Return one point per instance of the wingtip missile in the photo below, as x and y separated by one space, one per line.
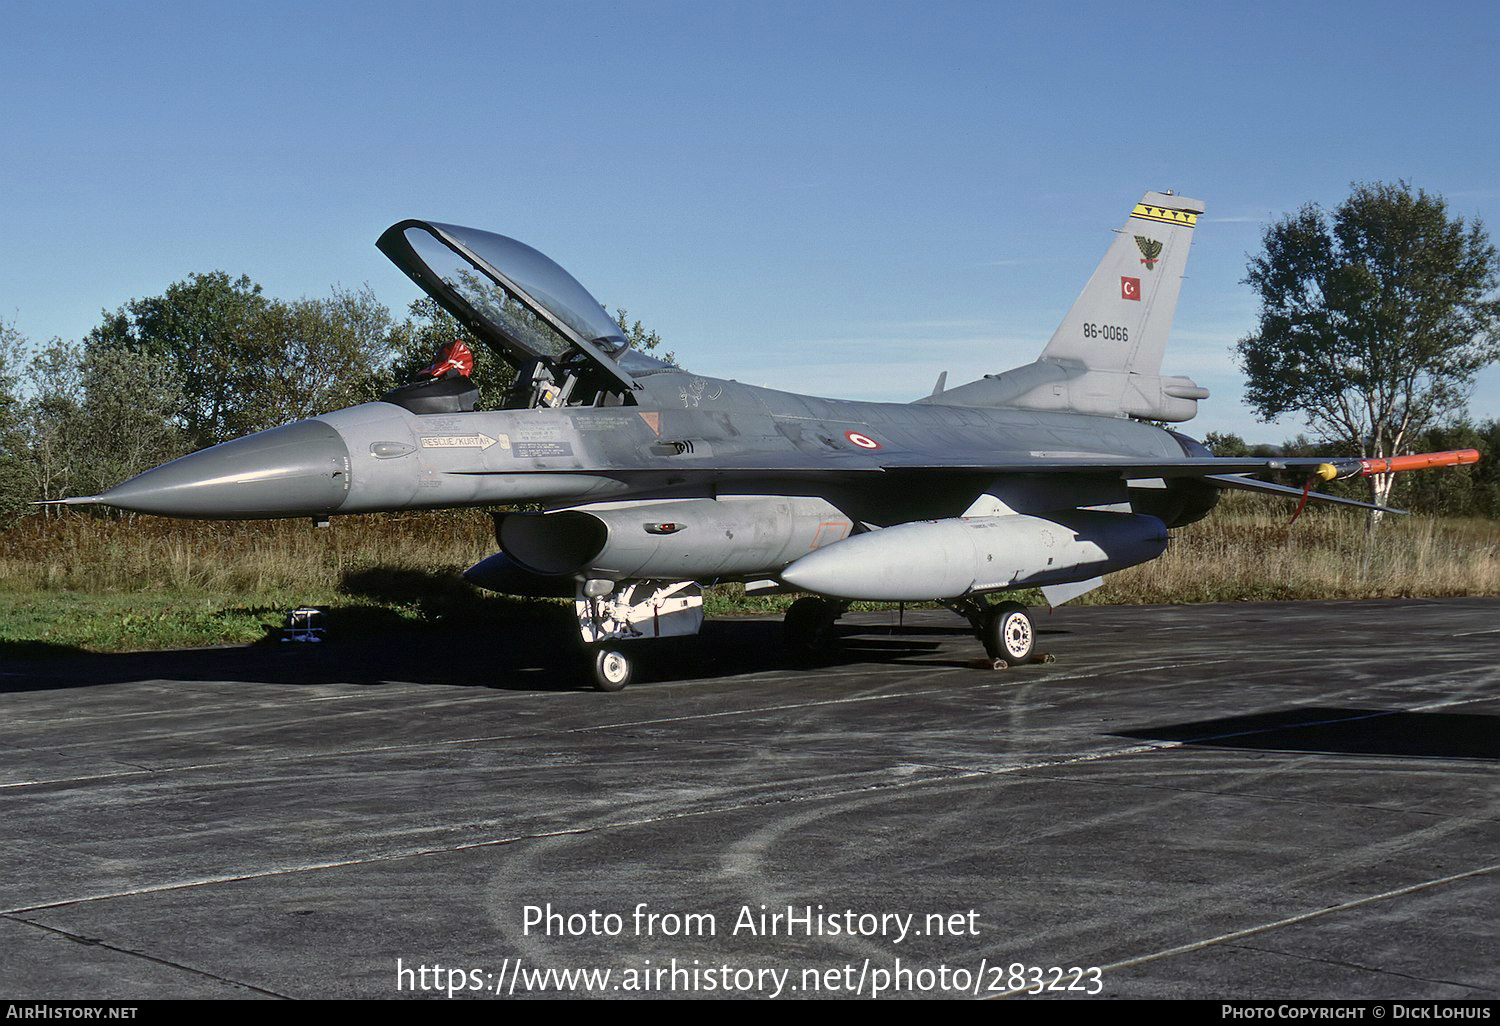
1367 467
1352 468
1417 461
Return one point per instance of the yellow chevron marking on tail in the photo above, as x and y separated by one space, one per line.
1166 215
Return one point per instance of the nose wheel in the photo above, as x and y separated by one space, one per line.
611 668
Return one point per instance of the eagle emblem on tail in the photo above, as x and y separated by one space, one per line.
1150 251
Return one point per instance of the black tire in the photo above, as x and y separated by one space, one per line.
611 668
808 629
1009 633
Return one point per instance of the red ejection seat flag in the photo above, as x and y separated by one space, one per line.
453 356
1130 288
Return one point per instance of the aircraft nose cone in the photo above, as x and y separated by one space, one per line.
301 469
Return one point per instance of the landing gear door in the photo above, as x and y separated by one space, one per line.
641 610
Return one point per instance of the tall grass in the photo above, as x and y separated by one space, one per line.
141 582
143 554
1245 550
1248 550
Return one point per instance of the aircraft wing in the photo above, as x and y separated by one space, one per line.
862 463
1226 472
1123 466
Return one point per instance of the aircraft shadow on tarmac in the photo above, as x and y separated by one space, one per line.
1343 731
537 653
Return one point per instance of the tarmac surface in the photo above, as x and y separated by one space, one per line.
1295 800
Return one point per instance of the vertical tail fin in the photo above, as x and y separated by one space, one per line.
1121 318
1105 357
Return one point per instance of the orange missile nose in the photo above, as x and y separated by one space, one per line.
1419 461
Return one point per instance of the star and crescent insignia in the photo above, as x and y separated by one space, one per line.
1150 250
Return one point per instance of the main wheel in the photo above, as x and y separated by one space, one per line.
611 668
1008 633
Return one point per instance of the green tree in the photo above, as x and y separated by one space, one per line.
240 361
125 426
1472 491
53 420
1374 319
13 484
96 417
203 332
1230 444
640 339
319 351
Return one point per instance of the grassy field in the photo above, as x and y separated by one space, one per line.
74 581
1247 552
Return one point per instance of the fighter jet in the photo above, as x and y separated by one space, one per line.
654 481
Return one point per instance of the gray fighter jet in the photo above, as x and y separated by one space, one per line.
655 480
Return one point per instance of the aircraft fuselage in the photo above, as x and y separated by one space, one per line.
688 436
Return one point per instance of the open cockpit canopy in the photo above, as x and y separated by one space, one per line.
522 304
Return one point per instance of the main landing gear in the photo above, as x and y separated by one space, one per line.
616 618
808 630
1005 629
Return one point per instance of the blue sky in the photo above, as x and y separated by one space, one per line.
838 198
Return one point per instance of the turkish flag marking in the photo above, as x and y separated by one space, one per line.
1130 288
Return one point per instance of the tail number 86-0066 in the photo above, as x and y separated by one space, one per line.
1107 332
